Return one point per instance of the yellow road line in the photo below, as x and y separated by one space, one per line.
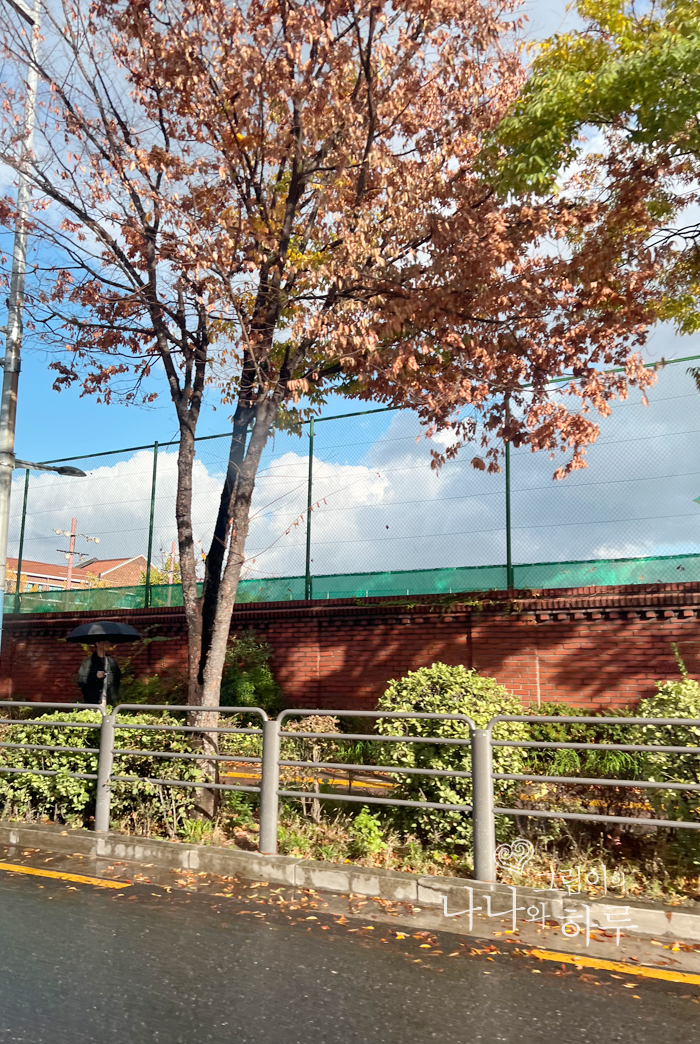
57 875
618 966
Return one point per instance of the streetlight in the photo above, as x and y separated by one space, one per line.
28 466
15 303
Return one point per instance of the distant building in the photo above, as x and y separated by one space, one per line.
110 572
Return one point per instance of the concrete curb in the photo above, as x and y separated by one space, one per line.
449 893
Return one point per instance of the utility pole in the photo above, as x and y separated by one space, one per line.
13 330
20 552
71 552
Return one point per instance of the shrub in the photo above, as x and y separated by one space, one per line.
248 680
608 764
58 797
678 848
152 690
139 805
366 834
441 689
308 749
151 807
674 699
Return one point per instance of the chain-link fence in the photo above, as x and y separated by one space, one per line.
382 520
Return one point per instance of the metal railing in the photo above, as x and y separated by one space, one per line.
268 768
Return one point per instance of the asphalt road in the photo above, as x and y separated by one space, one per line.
88 966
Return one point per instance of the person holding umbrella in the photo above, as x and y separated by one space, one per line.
99 674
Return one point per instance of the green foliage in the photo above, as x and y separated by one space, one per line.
152 690
237 806
366 834
149 806
137 804
57 797
638 74
248 680
161 575
441 689
608 764
673 699
632 76
196 831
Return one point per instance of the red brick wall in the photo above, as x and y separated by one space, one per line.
588 646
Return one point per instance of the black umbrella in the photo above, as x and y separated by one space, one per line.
110 631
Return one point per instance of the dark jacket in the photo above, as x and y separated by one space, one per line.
91 686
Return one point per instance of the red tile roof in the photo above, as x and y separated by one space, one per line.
38 572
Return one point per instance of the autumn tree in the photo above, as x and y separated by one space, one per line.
283 199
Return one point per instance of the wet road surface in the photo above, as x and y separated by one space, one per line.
80 965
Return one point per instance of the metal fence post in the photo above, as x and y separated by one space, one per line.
147 593
482 815
269 785
20 551
309 497
104 772
510 582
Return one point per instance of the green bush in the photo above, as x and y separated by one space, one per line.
140 806
366 834
58 797
248 680
674 699
441 689
679 849
607 764
153 690
150 807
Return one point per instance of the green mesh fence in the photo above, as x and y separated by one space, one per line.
537 575
383 521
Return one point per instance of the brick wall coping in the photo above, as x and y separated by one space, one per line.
627 600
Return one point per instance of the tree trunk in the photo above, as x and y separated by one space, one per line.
188 566
204 742
220 592
221 537
238 534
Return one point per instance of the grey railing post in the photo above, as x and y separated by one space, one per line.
104 771
482 816
269 785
